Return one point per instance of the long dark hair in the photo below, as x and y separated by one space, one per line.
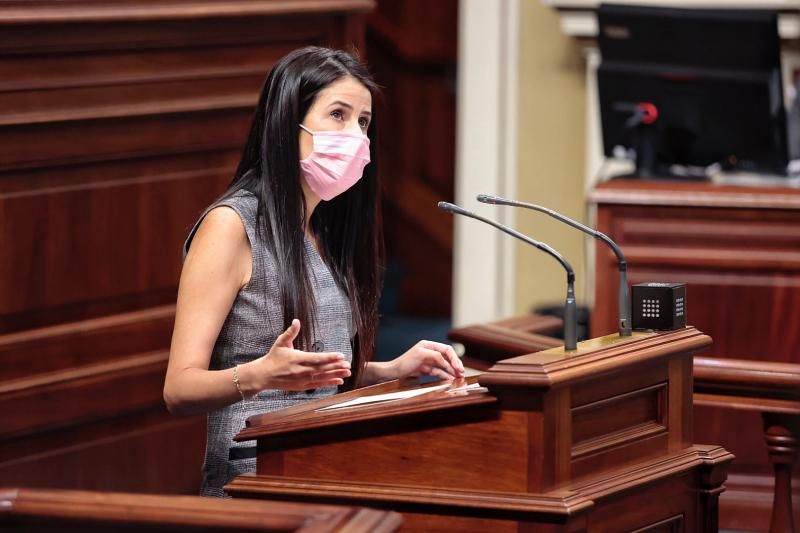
347 228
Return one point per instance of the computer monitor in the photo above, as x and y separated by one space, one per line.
689 88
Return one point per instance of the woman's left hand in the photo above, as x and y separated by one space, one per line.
428 358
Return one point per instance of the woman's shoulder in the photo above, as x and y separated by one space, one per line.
222 227
242 200
230 218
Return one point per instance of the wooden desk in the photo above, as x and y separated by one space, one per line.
738 248
24 510
595 440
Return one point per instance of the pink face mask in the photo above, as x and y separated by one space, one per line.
336 163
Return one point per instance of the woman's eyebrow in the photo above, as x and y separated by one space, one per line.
348 106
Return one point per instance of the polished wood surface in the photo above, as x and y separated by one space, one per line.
119 122
738 249
485 344
599 439
413 52
769 390
773 390
72 511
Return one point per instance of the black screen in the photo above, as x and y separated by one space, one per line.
712 75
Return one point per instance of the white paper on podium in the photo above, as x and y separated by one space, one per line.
389 396
384 397
474 386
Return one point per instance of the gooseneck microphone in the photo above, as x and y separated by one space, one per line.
625 323
570 309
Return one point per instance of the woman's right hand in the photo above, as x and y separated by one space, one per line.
285 368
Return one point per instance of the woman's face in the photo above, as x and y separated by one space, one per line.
344 105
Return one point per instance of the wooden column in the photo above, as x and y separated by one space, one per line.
781 431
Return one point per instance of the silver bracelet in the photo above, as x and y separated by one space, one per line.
236 382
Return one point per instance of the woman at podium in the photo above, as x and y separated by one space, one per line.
278 296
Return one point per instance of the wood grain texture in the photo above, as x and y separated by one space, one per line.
120 122
552 437
413 52
737 249
34 510
773 390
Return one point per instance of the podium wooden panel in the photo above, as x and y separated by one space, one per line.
599 439
24 510
738 248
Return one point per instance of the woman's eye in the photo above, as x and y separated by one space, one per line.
337 115
363 122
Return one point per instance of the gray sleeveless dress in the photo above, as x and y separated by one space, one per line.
251 327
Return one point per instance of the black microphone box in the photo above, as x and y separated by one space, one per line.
659 306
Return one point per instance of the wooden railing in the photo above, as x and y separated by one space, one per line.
773 389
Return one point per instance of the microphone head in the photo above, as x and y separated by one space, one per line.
488 198
453 208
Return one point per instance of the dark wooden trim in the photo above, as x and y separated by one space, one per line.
140 512
74 396
696 195
82 12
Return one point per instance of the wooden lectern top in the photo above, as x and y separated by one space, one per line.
311 415
544 369
548 437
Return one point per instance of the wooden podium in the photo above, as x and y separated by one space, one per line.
598 439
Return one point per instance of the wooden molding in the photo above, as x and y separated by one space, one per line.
412 498
73 396
163 107
578 16
748 379
69 507
696 195
86 11
559 367
438 400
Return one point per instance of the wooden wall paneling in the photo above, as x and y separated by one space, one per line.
72 511
119 123
413 49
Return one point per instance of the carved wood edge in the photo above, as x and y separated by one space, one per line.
540 370
749 379
413 498
744 403
557 367
695 195
516 335
165 312
502 338
309 417
137 363
189 511
53 388
671 465
82 12
196 104
572 499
